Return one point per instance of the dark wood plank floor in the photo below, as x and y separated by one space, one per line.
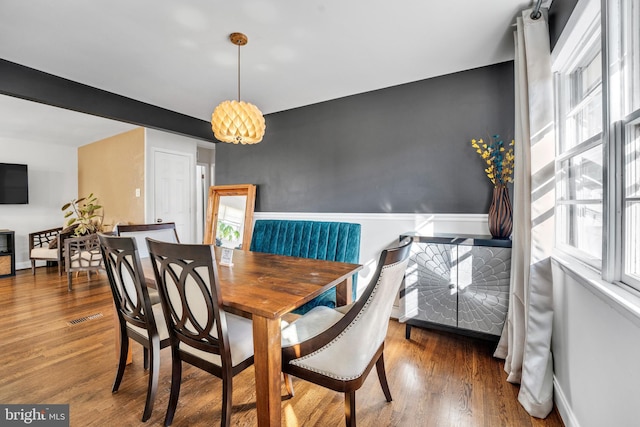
436 379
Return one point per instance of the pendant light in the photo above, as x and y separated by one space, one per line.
238 121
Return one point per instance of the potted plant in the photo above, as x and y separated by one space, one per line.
228 232
83 215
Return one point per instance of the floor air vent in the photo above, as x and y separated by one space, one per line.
84 319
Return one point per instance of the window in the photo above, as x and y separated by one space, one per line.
598 140
631 211
624 68
579 160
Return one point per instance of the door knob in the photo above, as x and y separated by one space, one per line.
159 220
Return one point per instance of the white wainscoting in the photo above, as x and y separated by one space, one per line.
380 231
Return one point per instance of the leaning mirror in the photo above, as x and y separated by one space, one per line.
230 215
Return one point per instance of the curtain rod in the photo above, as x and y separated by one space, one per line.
536 10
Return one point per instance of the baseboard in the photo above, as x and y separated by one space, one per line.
24 265
395 312
564 409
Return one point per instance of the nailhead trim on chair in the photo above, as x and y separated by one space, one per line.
297 362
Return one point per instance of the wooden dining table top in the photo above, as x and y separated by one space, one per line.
271 285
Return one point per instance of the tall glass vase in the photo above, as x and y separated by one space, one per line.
500 213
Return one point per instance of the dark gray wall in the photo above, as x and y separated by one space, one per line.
402 149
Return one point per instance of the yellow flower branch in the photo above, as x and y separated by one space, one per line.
499 159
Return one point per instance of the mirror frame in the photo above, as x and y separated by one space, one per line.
213 205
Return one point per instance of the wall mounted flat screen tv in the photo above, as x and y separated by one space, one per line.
14 184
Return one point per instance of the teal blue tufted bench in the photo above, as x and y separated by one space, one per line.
332 241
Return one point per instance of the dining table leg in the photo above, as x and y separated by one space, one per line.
344 294
267 360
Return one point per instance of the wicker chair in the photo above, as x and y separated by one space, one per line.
46 245
82 254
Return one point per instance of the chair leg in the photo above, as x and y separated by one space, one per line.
350 408
288 383
176 377
154 359
69 278
382 376
60 268
122 360
33 267
227 388
145 356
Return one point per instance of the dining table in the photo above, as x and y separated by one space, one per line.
265 287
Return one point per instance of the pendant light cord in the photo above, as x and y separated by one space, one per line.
238 73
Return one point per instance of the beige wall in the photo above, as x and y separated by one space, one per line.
112 169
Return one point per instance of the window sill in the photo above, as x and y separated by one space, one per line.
624 300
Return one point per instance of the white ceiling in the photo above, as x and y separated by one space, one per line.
176 54
24 121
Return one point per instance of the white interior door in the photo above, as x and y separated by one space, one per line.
173 179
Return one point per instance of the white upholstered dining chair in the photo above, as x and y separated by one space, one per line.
336 348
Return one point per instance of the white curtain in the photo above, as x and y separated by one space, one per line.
526 340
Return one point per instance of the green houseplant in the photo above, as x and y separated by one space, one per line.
84 214
227 231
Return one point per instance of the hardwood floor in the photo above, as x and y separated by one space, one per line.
436 379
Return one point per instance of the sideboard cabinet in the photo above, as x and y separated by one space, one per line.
458 283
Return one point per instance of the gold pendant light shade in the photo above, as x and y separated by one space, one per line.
238 122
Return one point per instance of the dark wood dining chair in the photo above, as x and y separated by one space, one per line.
138 318
336 348
201 332
163 231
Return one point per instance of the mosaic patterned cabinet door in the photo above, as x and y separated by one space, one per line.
458 283
430 290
